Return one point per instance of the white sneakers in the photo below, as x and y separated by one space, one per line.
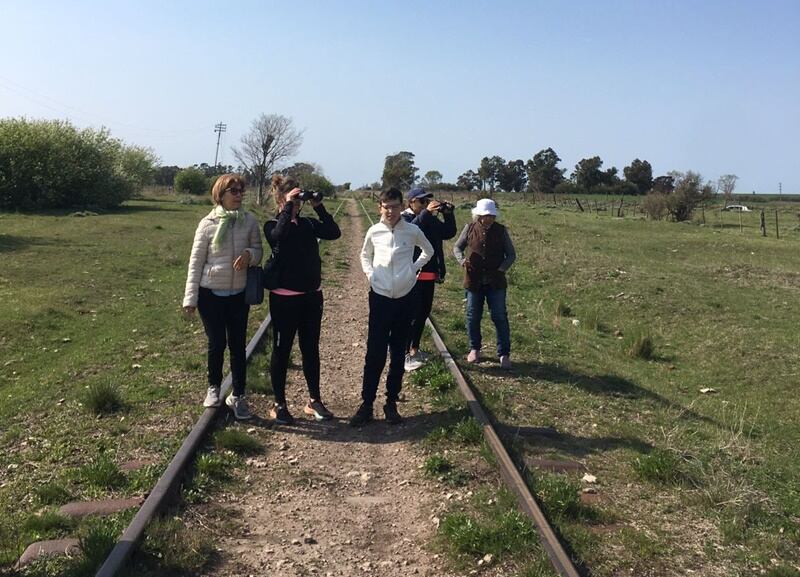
212 397
412 363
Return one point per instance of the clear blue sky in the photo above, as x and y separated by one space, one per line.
687 85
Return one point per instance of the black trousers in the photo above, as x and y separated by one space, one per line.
301 315
389 325
225 322
424 304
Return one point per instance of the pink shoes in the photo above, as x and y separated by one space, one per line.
474 356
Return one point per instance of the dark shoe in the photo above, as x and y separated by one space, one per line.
317 410
281 415
392 416
362 417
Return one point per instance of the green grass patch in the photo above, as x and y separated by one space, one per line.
433 377
101 473
237 441
659 466
103 398
52 494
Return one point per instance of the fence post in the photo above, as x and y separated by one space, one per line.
777 232
763 224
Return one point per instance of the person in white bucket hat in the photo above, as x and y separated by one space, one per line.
491 253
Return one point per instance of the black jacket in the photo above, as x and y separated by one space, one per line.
435 231
296 249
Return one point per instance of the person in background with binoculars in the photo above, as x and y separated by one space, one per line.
296 305
423 210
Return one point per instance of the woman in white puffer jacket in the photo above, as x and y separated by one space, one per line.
226 242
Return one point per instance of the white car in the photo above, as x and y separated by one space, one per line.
737 208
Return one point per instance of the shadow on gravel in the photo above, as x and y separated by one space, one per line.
413 427
609 385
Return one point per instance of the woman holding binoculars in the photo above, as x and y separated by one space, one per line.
296 305
423 211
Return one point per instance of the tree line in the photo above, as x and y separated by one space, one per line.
674 194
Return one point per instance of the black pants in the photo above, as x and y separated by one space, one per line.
301 315
389 324
424 304
225 322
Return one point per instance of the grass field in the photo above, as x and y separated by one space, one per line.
617 326
90 310
687 481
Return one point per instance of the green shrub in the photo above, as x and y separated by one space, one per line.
52 164
192 181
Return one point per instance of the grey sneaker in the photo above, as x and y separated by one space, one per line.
317 410
212 397
239 407
421 355
412 364
505 362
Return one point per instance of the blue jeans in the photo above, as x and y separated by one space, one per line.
496 299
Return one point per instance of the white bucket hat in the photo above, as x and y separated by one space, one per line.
485 206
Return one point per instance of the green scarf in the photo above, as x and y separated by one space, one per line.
226 219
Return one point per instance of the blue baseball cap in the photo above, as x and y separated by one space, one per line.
418 193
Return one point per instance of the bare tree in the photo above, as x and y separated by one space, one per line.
272 138
725 184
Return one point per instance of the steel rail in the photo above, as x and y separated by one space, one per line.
167 482
559 558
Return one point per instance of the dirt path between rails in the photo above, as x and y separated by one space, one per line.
325 498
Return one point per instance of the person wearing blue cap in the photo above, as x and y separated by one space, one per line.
423 210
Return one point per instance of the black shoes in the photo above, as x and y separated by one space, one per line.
392 416
281 415
362 417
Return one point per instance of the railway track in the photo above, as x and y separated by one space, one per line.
166 485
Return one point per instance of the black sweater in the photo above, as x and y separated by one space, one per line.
435 231
296 249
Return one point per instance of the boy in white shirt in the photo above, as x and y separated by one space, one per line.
387 258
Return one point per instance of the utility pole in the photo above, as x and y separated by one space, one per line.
219 129
780 189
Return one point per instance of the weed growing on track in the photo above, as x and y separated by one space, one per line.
169 548
467 431
237 441
493 526
434 377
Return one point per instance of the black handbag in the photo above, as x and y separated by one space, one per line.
271 275
254 289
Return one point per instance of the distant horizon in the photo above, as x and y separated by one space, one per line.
711 87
